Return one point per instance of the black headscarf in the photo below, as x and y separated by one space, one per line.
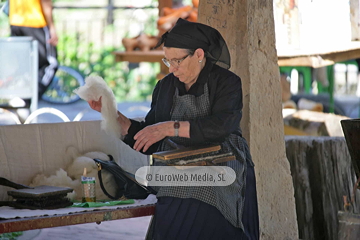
191 35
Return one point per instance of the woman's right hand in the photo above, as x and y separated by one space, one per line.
96 105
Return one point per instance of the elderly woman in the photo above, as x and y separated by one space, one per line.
199 102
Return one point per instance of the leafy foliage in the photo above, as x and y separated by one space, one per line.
10 236
128 83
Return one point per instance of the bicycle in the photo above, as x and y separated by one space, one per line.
65 81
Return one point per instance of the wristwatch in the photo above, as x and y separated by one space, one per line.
176 128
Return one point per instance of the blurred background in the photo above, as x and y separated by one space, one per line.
90 30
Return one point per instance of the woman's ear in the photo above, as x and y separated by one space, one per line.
200 54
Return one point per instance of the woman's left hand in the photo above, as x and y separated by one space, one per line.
152 134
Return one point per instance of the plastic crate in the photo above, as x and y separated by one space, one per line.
19 69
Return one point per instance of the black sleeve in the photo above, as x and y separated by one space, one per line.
136 126
226 111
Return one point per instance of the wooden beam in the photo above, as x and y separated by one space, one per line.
139 56
98 216
285 58
143 56
321 57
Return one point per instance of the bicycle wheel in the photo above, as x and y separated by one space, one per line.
62 86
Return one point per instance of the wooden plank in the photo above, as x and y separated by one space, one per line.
139 56
143 56
184 152
98 216
290 58
320 57
223 159
349 226
319 60
310 61
207 163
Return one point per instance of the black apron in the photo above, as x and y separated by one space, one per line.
190 210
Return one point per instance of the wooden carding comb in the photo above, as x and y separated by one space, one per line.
194 156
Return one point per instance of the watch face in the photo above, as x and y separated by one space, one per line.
176 125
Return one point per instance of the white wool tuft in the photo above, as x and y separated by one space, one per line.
76 169
60 179
72 177
94 88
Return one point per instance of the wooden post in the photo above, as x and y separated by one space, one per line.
324 181
355 20
248 28
164 3
110 15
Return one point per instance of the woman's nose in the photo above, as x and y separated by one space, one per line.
172 69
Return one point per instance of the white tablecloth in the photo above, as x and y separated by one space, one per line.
10 212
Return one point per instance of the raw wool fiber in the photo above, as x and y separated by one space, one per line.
76 168
75 171
94 88
72 175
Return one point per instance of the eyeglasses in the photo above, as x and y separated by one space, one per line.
175 62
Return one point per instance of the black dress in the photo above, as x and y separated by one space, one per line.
213 108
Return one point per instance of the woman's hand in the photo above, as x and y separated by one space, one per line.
152 134
96 105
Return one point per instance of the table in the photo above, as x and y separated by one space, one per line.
13 220
30 223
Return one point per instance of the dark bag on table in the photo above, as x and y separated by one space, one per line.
126 184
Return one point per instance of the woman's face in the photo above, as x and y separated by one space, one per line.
184 66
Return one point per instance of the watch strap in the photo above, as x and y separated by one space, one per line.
176 128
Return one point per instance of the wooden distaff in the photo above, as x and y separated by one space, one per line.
194 156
